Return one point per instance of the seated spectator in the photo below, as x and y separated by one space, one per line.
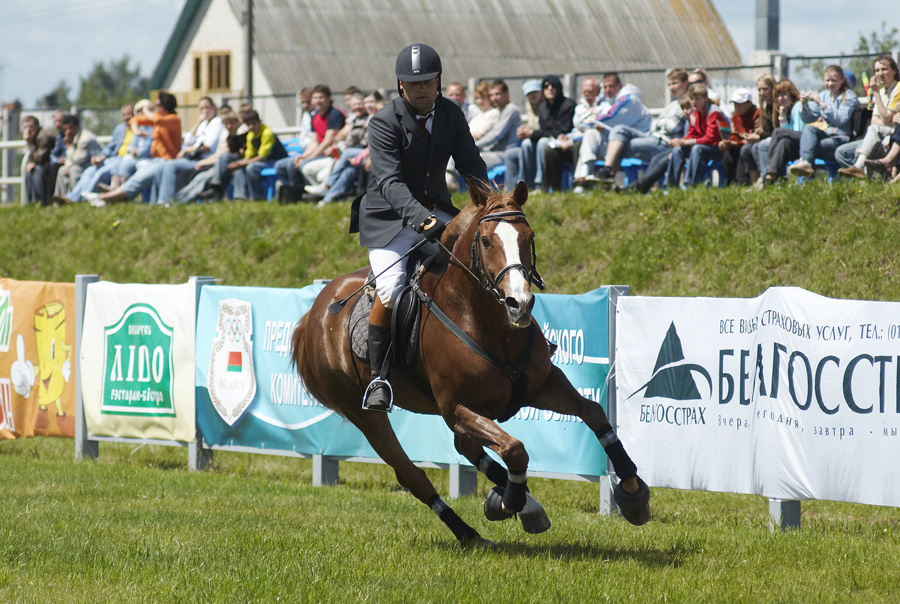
313 166
456 92
885 95
565 148
353 137
828 116
139 139
102 165
488 115
783 146
261 150
887 166
744 121
165 145
58 154
659 163
81 145
306 136
701 143
626 109
37 171
521 161
748 158
625 141
200 142
698 76
202 169
556 116
494 143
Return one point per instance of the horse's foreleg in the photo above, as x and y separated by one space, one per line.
378 431
476 455
632 494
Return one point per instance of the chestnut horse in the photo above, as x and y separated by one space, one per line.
484 288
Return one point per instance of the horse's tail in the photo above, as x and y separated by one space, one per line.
297 339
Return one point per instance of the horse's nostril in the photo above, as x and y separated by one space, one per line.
531 301
512 302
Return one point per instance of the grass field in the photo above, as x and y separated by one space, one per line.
136 526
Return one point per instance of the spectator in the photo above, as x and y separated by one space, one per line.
456 92
139 140
58 154
886 165
744 121
659 163
886 100
521 160
488 114
828 116
698 76
588 107
313 165
201 142
38 169
701 143
81 145
784 144
165 145
202 169
625 141
626 109
261 150
502 136
556 116
765 88
354 137
306 136
102 164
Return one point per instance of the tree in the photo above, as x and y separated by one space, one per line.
112 85
58 97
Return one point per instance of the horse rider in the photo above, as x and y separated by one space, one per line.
411 141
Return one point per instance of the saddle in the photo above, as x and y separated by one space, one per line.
404 322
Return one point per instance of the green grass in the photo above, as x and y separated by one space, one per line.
135 526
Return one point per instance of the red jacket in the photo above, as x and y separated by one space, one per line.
705 128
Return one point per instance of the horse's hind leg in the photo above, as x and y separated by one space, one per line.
632 494
483 462
378 431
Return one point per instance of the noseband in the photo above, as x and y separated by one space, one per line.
492 285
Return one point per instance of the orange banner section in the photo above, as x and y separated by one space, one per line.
37 359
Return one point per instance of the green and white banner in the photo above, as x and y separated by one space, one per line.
137 359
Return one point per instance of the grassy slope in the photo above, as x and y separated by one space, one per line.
835 240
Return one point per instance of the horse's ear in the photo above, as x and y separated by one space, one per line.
477 193
520 195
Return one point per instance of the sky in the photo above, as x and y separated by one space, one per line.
45 41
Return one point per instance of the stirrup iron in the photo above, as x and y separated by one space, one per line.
375 383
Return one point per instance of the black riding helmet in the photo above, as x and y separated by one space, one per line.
418 63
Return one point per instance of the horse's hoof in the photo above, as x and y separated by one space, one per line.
480 543
635 507
493 505
533 517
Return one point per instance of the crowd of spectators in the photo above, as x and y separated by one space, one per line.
758 140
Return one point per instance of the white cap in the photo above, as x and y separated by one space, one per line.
741 95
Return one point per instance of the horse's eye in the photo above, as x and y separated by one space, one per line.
485 242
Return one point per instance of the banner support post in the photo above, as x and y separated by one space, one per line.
608 482
199 457
325 470
463 480
784 514
84 447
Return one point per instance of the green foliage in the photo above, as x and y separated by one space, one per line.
879 42
109 86
58 97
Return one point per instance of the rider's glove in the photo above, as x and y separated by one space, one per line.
432 227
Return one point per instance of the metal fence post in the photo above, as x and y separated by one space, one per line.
199 457
84 448
607 483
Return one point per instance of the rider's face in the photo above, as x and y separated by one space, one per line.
421 95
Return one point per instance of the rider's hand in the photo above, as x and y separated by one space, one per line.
432 227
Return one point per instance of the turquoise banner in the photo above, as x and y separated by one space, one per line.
249 395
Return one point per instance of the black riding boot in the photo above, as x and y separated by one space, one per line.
378 396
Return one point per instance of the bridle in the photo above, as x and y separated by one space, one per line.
476 265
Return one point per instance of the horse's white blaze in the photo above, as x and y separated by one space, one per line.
509 237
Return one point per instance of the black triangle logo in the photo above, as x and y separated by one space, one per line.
672 377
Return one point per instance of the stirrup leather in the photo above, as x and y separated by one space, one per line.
375 383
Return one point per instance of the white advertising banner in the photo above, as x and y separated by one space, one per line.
790 395
137 356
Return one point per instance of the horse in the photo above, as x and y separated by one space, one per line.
480 357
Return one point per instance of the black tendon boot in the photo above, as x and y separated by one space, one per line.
379 396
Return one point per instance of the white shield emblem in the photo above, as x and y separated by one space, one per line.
232 382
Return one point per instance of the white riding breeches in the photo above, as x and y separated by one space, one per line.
389 284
